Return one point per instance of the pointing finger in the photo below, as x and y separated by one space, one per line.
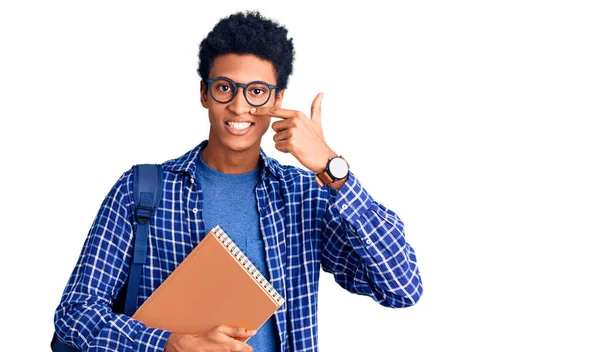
274 112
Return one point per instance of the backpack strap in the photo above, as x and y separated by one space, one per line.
147 188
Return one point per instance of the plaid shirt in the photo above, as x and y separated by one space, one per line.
304 227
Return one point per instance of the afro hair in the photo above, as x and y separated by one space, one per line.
249 33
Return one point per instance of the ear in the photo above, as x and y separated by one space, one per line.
204 94
279 97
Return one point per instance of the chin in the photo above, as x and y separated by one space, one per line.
240 144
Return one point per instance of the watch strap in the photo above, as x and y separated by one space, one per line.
323 179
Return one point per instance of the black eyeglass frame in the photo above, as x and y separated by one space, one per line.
235 86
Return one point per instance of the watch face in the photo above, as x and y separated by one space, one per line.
338 168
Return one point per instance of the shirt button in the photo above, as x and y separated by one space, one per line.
345 206
195 210
369 241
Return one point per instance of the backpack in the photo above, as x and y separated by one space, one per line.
147 188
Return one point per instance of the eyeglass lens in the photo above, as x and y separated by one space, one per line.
256 93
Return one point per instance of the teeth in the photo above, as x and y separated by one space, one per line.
239 125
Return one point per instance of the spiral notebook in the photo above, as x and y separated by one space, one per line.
215 284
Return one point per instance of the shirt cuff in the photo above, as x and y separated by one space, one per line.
352 200
151 339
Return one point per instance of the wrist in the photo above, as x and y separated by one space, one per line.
172 342
335 172
320 162
338 184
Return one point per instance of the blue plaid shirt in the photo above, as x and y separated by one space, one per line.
305 227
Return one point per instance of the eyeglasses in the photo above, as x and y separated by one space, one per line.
223 90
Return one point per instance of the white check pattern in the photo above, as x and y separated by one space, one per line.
304 227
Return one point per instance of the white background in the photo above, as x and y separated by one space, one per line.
474 120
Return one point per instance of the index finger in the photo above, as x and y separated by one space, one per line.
274 112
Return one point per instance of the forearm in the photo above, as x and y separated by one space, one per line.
365 248
84 317
93 326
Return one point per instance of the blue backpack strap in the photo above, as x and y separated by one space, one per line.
147 188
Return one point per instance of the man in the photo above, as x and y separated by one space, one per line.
289 221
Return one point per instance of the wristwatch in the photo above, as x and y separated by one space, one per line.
337 168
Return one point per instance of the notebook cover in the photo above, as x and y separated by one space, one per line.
210 287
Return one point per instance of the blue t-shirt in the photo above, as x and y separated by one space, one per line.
230 202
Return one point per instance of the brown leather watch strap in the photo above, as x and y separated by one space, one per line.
319 182
323 179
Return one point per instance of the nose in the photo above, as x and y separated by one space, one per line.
239 105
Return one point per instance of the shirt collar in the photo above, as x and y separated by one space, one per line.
188 162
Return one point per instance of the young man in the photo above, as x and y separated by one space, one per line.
290 222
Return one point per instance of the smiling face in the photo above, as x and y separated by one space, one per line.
232 127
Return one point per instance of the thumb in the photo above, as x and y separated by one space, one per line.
315 109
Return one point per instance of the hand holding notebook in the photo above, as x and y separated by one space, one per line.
213 340
216 284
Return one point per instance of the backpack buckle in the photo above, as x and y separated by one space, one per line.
142 214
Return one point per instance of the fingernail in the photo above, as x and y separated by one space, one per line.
253 332
253 110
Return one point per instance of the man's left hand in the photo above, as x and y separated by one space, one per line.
299 135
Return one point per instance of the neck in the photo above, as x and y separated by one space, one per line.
230 161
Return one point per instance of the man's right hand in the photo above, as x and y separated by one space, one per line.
220 339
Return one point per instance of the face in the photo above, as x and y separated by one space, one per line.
232 128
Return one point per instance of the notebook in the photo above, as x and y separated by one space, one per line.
215 284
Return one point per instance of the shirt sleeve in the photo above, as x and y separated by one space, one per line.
84 317
364 247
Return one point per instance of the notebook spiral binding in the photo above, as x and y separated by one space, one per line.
237 253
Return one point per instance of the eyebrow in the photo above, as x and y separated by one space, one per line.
236 81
